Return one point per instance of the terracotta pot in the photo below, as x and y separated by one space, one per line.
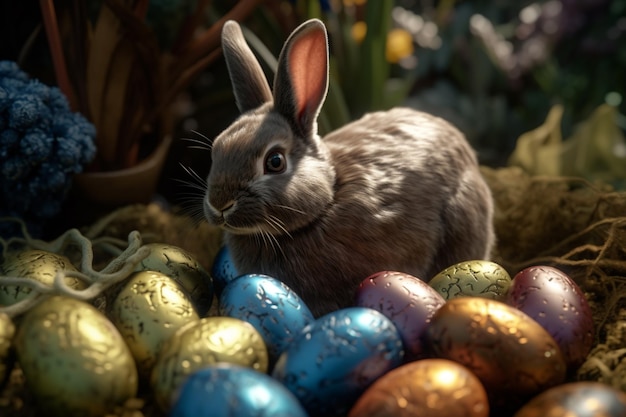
132 185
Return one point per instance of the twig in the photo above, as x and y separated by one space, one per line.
56 49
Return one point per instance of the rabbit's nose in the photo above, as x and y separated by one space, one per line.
225 207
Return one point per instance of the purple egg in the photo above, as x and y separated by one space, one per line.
407 301
554 300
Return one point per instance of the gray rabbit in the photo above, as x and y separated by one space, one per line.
396 190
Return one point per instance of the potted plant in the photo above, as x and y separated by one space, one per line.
123 71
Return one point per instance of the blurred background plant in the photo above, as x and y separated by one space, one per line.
494 69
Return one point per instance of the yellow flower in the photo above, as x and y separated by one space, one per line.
359 29
348 3
399 45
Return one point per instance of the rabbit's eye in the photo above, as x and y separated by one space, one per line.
275 163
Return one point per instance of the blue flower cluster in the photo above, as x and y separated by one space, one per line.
42 145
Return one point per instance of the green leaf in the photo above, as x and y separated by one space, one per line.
538 151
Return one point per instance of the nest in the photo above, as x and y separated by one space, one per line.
568 223
579 228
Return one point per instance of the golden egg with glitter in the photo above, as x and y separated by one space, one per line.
36 265
7 330
513 356
205 342
181 266
148 310
472 278
427 387
74 359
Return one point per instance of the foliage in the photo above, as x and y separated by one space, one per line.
503 65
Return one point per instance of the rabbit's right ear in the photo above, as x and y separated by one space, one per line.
249 82
301 80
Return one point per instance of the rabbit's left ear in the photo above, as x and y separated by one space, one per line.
249 83
301 80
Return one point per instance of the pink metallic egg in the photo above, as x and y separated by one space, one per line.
554 300
406 300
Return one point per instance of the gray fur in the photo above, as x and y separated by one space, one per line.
398 190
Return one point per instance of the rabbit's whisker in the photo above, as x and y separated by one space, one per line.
205 137
277 224
203 143
269 237
275 244
198 144
269 243
289 208
197 179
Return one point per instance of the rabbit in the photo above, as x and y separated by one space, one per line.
395 190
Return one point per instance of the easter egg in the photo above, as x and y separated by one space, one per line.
223 270
205 342
227 390
74 359
36 265
335 358
428 387
270 306
475 278
406 300
577 399
554 300
512 355
7 330
183 268
148 310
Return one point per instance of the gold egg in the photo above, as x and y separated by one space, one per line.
205 342
148 310
181 266
7 330
513 356
74 359
472 278
38 265
428 387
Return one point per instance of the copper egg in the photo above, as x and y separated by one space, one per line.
428 387
512 355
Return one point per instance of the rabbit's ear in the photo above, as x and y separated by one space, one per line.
249 82
301 81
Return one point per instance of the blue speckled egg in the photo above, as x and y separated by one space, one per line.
232 391
335 358
223 269
270 306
